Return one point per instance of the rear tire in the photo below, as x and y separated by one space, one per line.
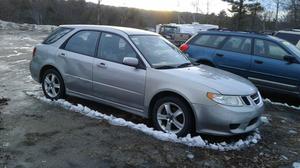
172 114
53 85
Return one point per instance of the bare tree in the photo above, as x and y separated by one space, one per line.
254 10
196 6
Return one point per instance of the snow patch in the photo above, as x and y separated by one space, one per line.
292 132
31 27
296 165
12 55
265 120
196 141
281 104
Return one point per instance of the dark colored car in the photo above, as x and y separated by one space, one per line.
269 62
290 36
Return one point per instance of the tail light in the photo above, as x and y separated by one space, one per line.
33 52
184 47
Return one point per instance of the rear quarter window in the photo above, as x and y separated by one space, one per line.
56 35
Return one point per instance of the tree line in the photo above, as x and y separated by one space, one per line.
251 15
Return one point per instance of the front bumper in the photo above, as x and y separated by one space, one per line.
226 120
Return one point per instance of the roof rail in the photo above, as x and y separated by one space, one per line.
229 30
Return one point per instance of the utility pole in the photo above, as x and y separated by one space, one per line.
195 4
207 7
178 13
99 12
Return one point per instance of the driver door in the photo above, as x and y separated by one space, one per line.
112 80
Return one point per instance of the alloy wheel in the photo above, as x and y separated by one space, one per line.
52 85
170 117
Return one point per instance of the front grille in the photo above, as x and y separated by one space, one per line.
255 98
246 101
252 99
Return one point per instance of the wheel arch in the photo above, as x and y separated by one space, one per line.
171 93
45 68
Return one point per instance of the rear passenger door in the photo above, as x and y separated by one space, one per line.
76 58
202 48
235 55
270 70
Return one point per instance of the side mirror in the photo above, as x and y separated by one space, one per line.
130 61
290 59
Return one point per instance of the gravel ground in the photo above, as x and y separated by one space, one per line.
36 134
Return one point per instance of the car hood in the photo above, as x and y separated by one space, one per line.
224 82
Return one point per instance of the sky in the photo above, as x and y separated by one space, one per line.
170 5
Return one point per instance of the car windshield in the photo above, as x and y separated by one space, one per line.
160 53
292 47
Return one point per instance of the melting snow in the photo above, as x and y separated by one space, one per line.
296 165
282 104
196 141
265 120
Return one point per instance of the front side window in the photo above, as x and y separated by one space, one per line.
238 44
209 40
114 48
56 35
159 52
83 42
269 49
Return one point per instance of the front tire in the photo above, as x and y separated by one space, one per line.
173 115
53 85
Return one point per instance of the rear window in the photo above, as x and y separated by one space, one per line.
57 34
212 41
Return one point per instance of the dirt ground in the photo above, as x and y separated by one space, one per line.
36 134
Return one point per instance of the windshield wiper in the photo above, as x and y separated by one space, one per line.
184 65
165 67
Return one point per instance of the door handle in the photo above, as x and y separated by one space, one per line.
219 55
62 54
258 62
101 65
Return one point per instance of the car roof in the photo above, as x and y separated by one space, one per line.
289 32
235 33
115 29
243 34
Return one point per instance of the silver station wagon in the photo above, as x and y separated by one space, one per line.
142 73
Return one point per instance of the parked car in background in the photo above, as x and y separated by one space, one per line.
144 74
292 36
269 62
180 33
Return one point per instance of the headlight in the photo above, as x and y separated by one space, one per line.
225 100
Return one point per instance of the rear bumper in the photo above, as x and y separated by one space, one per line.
34 71
226 120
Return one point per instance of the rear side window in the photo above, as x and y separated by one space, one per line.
83 42
269 49
212 41
238 44
56 35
